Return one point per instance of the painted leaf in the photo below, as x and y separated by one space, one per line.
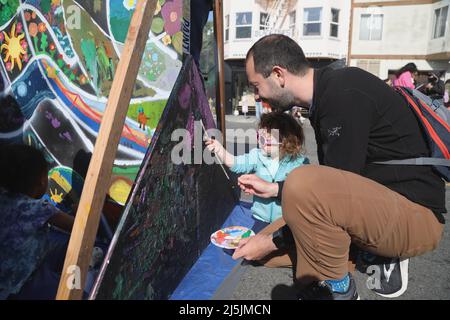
177 42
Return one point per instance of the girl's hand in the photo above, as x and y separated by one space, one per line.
214 146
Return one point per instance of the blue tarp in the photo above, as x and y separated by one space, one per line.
215 263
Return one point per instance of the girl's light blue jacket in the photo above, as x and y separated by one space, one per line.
256 162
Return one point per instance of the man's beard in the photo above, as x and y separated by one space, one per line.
281 100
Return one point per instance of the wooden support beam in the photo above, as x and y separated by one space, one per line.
220 80
99 174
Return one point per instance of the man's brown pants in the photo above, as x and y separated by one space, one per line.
328 209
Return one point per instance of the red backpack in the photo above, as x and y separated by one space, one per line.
435 120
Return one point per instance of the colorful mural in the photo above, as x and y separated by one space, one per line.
58 60
173 209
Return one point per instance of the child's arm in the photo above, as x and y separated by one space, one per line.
224 156
62 221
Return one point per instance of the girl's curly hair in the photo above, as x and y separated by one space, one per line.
291 133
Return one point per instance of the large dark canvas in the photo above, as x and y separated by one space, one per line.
172 210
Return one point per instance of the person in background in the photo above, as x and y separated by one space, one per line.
406 76
266 107
25 218
434 88
296 113
447 93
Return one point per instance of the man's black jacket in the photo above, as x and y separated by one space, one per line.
359 120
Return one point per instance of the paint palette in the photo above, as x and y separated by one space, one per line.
229 238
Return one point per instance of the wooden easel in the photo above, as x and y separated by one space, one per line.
220 79
99 173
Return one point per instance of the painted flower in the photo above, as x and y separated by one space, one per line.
129 4
24 45
42 28
52 47
33 29
8 66
26 57
27 15
172 13
2 37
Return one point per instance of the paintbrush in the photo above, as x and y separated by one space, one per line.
215 155
233 187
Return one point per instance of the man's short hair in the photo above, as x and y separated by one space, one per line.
278 50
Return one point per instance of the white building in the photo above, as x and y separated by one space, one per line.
321 27
388 34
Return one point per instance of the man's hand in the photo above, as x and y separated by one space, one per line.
254 185
255 248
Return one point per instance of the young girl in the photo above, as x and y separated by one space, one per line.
24 217
406 76
272 161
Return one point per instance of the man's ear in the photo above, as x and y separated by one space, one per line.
279 75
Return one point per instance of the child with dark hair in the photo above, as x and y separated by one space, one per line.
406 76
281 140
24 216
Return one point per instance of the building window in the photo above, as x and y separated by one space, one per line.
371 27
243 25
227 27
334 24
292 18
263 21
440 22
312 21
372 66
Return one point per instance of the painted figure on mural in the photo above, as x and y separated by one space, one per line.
142 119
